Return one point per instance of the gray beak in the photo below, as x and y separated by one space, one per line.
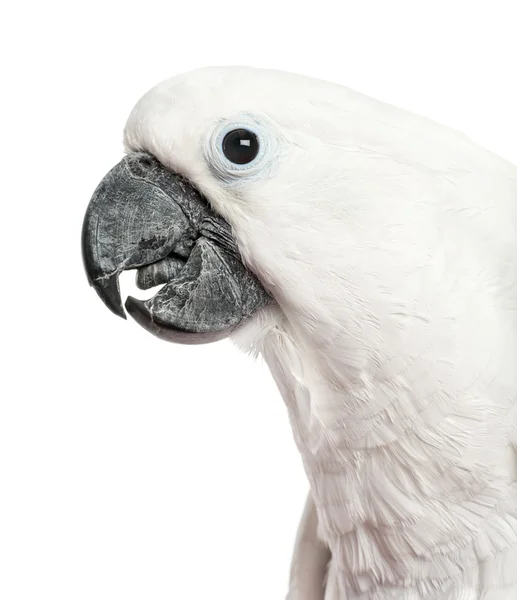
143 216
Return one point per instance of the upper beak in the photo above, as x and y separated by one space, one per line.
144 216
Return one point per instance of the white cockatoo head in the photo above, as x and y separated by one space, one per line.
356 221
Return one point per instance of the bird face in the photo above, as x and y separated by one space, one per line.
220 198
157 212
242 188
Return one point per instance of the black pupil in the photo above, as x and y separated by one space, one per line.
240 146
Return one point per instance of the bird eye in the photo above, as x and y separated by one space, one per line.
240 146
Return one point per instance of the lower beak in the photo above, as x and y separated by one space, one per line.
146 217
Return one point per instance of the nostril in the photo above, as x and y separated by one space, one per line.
141 163
146 161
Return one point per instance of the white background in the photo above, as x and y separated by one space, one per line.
131 468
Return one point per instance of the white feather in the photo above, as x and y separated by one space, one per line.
390 244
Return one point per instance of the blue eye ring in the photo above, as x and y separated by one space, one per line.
228 170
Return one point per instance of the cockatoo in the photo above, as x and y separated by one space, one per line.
370 256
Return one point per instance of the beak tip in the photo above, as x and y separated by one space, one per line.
109 292
136 308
